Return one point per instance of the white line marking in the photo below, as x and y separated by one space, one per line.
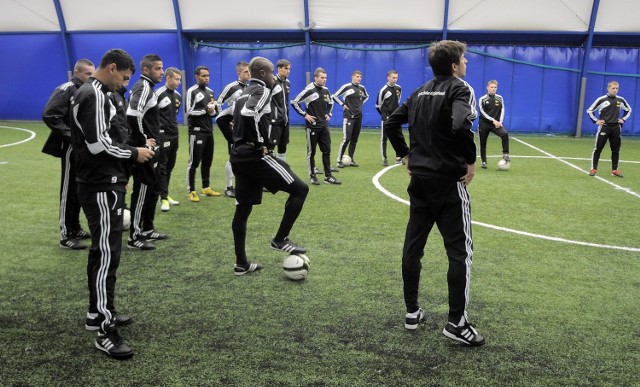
33 135
616 186
376 182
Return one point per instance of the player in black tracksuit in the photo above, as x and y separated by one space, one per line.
387 102
144 122
354 95
255 167
441 161
609 125
199 108
57 116
101 177
169 101
319 104
491 119
279 134
224 120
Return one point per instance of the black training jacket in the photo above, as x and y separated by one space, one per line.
440 114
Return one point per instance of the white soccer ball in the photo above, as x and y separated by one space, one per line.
126 219
504 165
296 266
346 160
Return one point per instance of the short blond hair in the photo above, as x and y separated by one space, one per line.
492 81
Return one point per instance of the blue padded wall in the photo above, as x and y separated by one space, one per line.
539 83
31 69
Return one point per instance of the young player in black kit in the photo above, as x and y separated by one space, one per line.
491 119
144 123
255 167
229 94
609 125
56 115
169 101
353 95
199 108
101 177
441 163
387 102
319 104
279 134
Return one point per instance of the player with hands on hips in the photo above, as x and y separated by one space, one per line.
491 119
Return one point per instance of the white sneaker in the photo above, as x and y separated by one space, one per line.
172 202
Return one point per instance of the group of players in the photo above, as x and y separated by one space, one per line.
103 140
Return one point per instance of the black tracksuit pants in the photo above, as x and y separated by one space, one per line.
319 137
445 203
104 215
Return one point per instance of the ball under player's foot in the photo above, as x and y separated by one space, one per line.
287 246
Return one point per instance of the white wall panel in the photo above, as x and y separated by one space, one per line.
113 15
243 15
520 15
32 16
618 16
377 14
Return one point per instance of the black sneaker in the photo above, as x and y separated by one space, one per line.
93 323
484 165
412 320
506 158
399 160
287 246
465 333
153 235
340 164
74 244
318 171
332 180
354 164
80 234
334 169
314 180
230 192
140 244
113 344
385 163
248 268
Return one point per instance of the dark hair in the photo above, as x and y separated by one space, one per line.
392 72
148 61
121 59
443 54
200 68
318 71
283 63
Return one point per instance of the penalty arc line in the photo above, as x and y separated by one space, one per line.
386 192
31 137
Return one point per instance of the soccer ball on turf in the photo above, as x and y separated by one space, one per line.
126 219
504 165
296 266
346 160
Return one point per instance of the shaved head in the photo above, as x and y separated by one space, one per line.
262 69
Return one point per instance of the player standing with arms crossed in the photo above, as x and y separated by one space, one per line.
169 101
388 101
